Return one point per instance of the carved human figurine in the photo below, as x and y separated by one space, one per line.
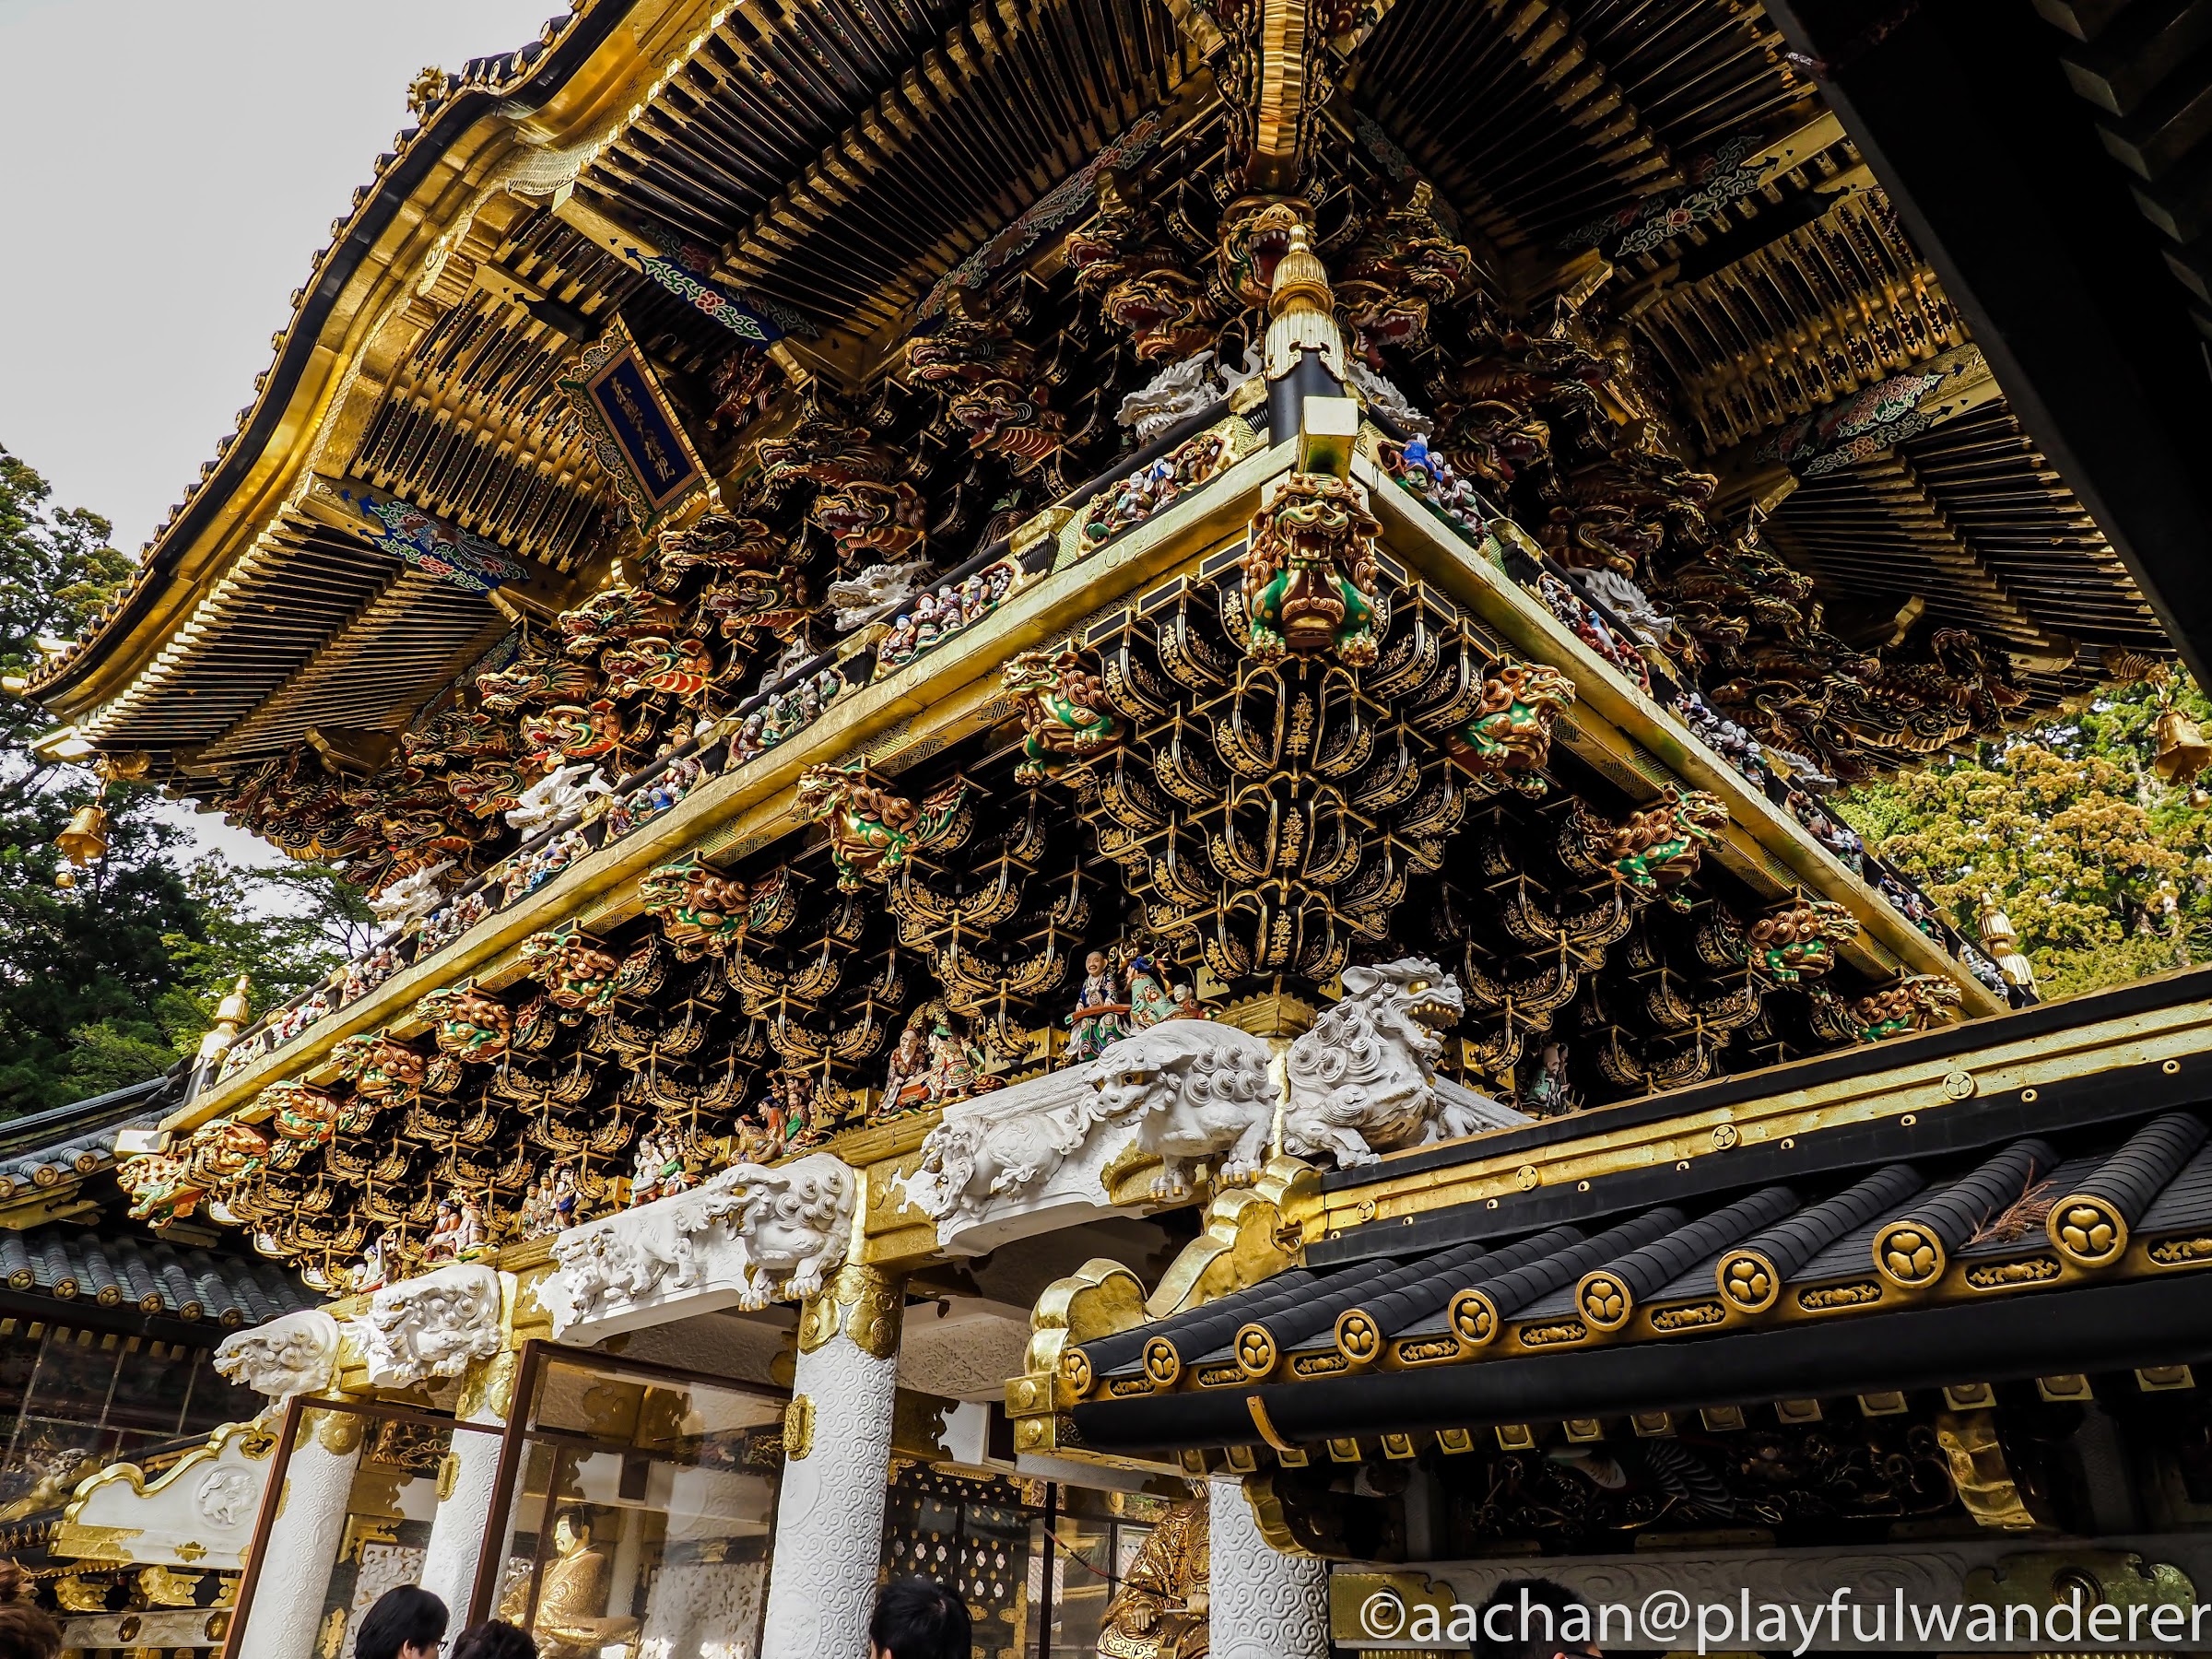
564 1197
530 1219
906 1080
789 1108
1161 1610
472 1237
676 1162
1546 1094
1100 1014
952 1070
1149 1000
645 1170
571 1621
444 1242
369 1275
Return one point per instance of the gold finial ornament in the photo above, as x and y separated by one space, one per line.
85 838
2002 943
1301 307
231 1017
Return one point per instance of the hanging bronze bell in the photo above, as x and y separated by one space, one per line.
86 836
2182 750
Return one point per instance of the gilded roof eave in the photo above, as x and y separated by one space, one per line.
352 322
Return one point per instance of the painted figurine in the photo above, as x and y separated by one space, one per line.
906 1080
443 1244
1149 1000
564 1197
473 1238
1101 1011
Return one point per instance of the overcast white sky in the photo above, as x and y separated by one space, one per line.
171 167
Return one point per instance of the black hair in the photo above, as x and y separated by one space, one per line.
1535 1627
919 1618
494 1639
408 1615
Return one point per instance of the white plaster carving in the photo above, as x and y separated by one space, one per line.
792 1223
411 898
1181 391
225 1496
1384 396
751 1233
1261 1602
1016 1161
431 1326
1363 1079
830 1510
630 1259
198 1512
556 795
856 599
294 1354
1192 1092
1197 1089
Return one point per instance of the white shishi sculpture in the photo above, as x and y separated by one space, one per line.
1363 1079
294 1354
432 1326
1196 1092
792 1223
556 795
751 1233
411 898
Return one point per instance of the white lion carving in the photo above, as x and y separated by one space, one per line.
856 599
555 796
432 1326
292 1355
411 898
997 1146
1199 1090
1363 1079
1181 391
792 1222
627 1259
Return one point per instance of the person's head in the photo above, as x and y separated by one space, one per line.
494 1639
1535 1619
407 1623
27 1630
919 1619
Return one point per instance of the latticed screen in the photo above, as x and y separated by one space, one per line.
971 1534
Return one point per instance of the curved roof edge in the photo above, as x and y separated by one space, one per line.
519 83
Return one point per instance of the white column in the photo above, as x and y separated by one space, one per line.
829 1514
1261 1602
303 1546
456 1542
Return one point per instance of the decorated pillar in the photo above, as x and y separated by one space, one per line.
466 1484
303 1548
451 1322
1261 1603
837 1450
297 1355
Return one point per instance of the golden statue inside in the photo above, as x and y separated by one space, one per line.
1161 1610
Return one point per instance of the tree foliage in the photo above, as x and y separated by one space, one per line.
2105 870
114 980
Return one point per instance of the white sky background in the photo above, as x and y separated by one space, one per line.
167 169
